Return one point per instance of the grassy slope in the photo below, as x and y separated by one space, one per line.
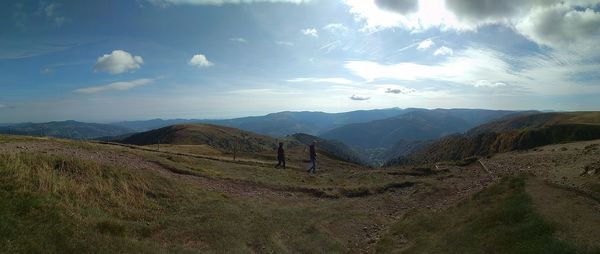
56 204
501 219
52 204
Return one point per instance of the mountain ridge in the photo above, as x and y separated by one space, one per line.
513 133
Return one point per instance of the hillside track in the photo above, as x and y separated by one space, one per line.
118 158
385 204
231 187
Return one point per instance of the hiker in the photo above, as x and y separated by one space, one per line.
280 156
313 157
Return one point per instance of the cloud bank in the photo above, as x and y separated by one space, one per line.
543 74
552 23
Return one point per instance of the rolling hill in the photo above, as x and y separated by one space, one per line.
219 137
512 133
65 129
225 140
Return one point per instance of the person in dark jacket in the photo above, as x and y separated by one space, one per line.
313 156
280 156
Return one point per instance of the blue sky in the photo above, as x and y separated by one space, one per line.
139 59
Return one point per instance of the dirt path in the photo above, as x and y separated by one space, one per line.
230 187
576 217
123 159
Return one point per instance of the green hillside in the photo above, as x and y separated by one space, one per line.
515 133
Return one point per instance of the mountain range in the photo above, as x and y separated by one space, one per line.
65 129
381 140
373 137
279 124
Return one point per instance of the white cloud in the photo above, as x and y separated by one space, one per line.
118 61
486 83
425 44
310 32
443 51
285 43
121 86
461 68
339 81
336 28
239 39
551 74
220 2
359 98
200 61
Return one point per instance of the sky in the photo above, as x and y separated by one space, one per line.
115 60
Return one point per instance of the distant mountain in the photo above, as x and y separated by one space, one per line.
416 125
313 123
146 125
281 123
65 129
512 133
536 120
